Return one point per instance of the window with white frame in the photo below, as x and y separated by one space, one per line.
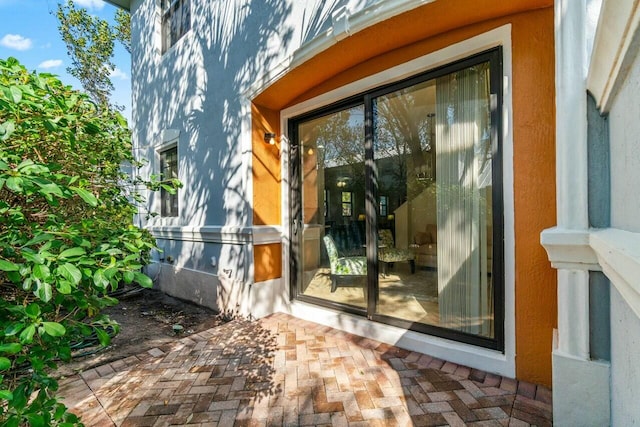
169 170
176 21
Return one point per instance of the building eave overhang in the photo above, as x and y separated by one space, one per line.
615 47
124 4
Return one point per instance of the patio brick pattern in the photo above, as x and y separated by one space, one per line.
281 370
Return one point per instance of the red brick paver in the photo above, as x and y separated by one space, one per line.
285 371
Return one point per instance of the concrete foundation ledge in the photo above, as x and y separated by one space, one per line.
581 391
190 285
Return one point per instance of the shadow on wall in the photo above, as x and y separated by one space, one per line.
197 87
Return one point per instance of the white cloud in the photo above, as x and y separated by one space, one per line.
50 63
117 73
90 4
16 41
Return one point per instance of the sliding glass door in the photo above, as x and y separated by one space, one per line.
331 160
399 195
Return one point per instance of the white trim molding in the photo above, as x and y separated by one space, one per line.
205 233
613 251
569 249
618 253
568 244
166 145
266 234
258 235
616 42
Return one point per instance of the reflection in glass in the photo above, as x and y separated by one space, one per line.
176 21
432 151
332 156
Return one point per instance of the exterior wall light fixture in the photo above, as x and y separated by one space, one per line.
270 138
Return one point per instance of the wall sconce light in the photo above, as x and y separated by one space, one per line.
361 217
343 181
270 138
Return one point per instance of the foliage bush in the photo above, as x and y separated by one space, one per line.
66 237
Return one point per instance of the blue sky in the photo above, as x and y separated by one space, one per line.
29 32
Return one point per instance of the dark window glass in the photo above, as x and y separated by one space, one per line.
169 170
176 21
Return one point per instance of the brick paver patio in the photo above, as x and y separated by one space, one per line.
285 371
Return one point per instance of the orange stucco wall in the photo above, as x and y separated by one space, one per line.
534 183
405 37
266 167
267 259
267 262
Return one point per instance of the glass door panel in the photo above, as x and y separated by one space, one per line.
333 198
417 192
432 150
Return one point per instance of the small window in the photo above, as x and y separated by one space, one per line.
176 21
347 203
384 203
169 170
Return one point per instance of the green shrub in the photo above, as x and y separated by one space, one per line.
66 237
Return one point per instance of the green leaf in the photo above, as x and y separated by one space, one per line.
26 337
103 337
110 272
50 188
92 128
39 238
6 395
72 252
43 291
25 164
41 271
8 265
32 257
169 189
70 272
64 287
54 329
10 348
32 310
16 94
131 247
13 328
65 353
4 363
100 280
19 397
142 279
128 277
50 125
36 420
85 195
14 184
7 128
